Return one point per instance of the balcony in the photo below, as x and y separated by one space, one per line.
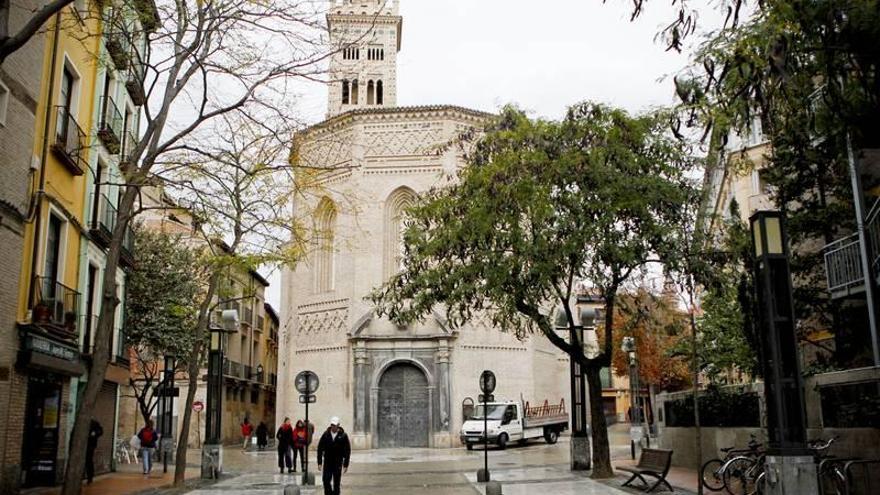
103 223
134 82
69 143
116 40
126 256
248 316
843 260
110 128
55 308
129 143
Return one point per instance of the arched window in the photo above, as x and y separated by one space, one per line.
323 246
395 216
379 96
354 92
345 92
371 93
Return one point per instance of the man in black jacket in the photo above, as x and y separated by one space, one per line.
335 449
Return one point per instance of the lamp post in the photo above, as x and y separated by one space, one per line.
789 465
260 373
167 413
306 383
487 386
580 430
212 449
636 433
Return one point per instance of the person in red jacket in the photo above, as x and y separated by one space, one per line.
300 442
246 431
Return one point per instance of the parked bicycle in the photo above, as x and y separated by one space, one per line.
712 471
832 476
744 474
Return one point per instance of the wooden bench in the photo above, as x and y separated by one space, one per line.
652 462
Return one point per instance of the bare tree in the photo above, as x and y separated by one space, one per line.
40 13
238 185
204 59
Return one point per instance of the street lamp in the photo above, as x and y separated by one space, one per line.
580 435
260 373
166 403
790 467
212 448
636 433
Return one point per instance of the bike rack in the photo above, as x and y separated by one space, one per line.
863 484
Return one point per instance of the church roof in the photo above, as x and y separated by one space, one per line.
378 110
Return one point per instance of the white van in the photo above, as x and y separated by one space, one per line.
514 421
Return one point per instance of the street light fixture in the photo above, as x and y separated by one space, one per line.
166 410
580 430
789 468
212 448
636 432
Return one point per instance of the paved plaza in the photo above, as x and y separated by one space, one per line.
532 468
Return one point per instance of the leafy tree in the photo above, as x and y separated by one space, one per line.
161 309
658 327
807 74
540 207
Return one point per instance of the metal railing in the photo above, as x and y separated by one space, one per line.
260 323
248 316
116 39
55 304
69 140
129 143
843 265
134 81
106 218
110 128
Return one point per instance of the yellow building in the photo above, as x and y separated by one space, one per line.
49 296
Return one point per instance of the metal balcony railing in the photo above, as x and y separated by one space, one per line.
105 221
110 128
69 142
134 80
129 143
116 39
248 316
843 260
55 305
843 265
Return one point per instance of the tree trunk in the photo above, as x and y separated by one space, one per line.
194 366
193 369
695 371
76 457
601 452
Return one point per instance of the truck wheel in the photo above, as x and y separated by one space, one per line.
551 436
502 441
469 446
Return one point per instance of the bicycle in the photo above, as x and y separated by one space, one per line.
712 470
832 478
744 475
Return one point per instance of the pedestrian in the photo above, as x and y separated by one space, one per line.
285 442
300 443
148 437
246 432
95 432
262 436
334 451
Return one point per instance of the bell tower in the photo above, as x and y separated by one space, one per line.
365 35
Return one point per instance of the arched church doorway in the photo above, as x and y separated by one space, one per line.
403 407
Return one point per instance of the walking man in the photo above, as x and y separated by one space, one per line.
148 437
284 443
95 432
334 451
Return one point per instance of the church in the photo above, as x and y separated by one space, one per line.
392 386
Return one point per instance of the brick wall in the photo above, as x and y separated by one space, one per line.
21 73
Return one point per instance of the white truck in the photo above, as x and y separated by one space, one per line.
515 421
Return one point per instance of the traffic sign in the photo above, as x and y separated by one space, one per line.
303 398
198 406
487 398
487 382
306 382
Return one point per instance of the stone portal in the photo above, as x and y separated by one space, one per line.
403 407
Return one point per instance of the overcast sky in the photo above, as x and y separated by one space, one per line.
541 55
